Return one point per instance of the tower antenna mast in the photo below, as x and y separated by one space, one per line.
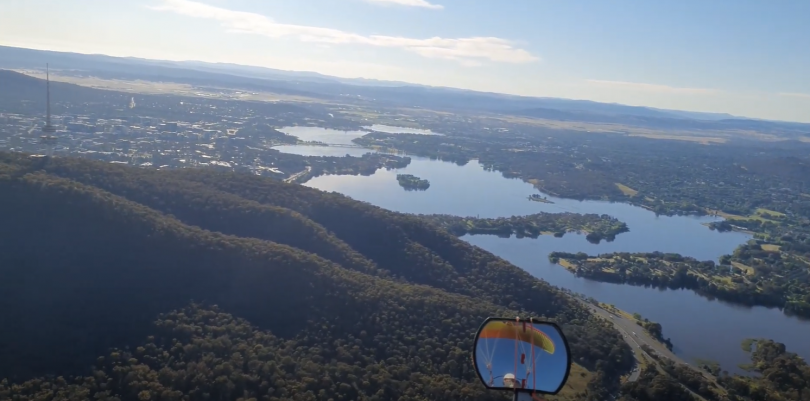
48 139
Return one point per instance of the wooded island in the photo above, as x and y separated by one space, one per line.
412 183
595 227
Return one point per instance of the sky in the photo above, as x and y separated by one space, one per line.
744 57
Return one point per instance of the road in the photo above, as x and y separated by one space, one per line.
295 176
627 327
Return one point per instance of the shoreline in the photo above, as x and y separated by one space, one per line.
734 228
638 342
596 228
731 298
631 316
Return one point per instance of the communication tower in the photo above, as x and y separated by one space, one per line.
47 138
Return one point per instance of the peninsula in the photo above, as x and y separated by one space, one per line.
596 227
731 280
412 183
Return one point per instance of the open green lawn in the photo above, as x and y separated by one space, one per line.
577 380
566 264
764 212
760 214
743 267
771 247
626 190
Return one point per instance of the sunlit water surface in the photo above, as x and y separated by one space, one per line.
698 327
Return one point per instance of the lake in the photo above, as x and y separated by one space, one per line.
698 327
336 137
326 135
389 129
312 150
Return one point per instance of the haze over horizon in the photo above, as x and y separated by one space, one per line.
742 58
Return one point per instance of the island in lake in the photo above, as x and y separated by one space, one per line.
412 182
730 280
597 227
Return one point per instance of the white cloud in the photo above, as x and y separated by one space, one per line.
654 88
410 3
799 95
466 51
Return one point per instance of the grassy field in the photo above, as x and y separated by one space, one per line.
626 190
699 136
727 216
703 140
365 115
566 264
759 214
401 117
766 212
771 247
748 269
577 382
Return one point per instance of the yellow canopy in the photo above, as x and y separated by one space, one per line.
518 331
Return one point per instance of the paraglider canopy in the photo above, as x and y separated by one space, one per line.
522 355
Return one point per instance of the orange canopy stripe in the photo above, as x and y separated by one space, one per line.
515 331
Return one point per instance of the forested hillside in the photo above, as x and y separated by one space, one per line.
347 301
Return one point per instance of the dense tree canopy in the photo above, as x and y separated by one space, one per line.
751 276
93 252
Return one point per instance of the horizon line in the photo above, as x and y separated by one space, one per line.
403 83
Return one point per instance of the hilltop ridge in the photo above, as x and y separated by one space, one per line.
96 251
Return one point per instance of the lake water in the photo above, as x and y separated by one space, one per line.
400 130
316 134
698 327
311 150
336 137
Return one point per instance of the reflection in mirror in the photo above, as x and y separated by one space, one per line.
521 354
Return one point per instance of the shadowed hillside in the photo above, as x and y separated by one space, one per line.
94 252
25 94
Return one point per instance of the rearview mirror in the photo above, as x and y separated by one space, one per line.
522 355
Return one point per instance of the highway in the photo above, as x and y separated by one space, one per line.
295 176
627 327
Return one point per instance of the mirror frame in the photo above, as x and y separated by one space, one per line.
520 320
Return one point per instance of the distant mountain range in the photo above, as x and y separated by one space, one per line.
367 91
20 93
15 57
666 120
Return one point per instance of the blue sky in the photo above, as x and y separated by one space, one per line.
743 57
